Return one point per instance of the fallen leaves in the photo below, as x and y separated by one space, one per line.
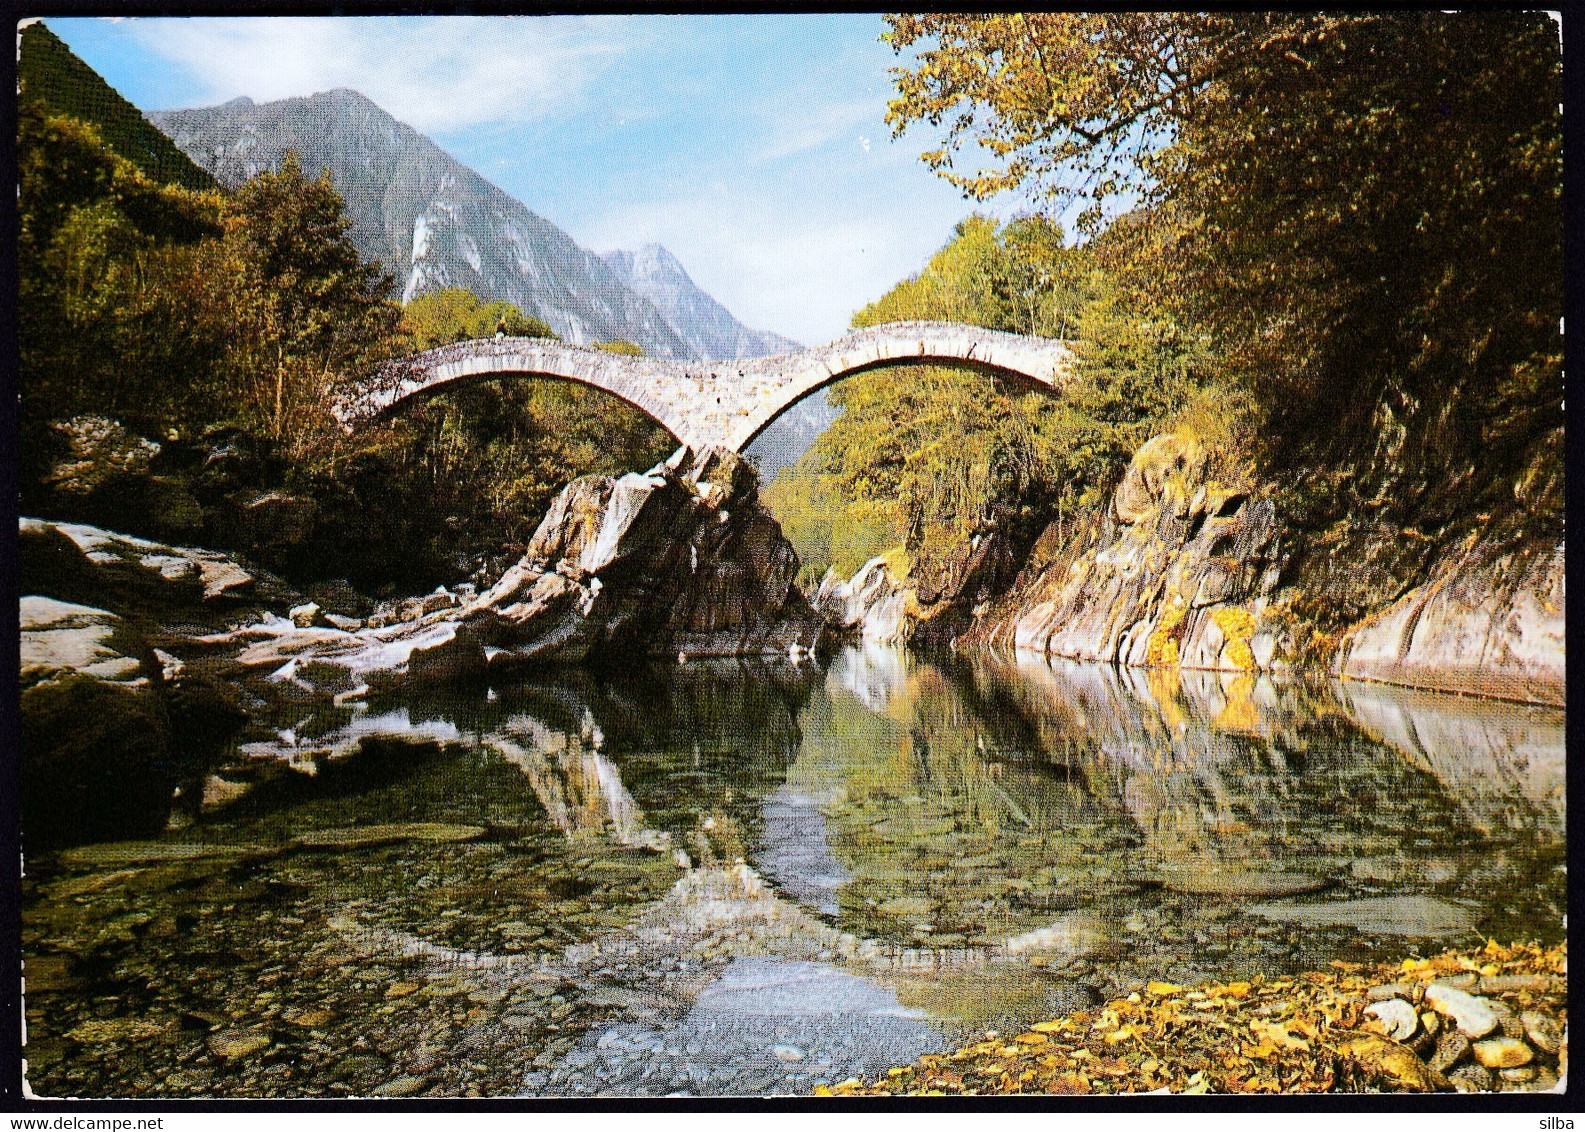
1280 1035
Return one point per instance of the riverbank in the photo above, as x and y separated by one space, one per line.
1493 1018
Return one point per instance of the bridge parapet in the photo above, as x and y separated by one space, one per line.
704 403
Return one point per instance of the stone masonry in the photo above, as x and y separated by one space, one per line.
704 404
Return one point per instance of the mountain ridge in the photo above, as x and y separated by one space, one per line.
709 329
431 221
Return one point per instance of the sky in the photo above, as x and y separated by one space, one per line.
754 147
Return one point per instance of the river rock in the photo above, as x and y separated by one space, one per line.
95 760
680 560
1494 629
1472 1079
366 836
236 1043
1253 883
1450 1050
172 574
1542 1031
873 605
1503 1053
1415 917
339 661
1398 1019
1474 1017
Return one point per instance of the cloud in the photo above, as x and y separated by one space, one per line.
812 125
436 74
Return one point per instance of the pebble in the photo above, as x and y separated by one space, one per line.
1472 1079
1450 1049
788 1053
1519 1074
1474 1016
1397 1018
1503 1053
1542 1031
401 1087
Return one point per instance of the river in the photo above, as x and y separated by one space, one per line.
739 878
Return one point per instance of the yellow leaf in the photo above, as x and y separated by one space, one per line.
1119 1035
1046 1027
1162 988
1237 990
823 1091
1196 1090
1032 1039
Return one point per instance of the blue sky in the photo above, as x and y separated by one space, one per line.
754 147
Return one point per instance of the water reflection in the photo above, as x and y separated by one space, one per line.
880 850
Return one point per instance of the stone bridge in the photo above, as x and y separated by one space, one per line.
706 403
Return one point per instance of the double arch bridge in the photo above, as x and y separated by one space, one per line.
726 403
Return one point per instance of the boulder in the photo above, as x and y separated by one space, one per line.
336 661
95 763
873 605
1179 572
171 574
677 560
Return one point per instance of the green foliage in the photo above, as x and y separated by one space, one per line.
114 308
621 346
924 457
318 314
457 314
55 81
464 476
1363 210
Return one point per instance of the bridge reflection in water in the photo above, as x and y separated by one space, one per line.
804 872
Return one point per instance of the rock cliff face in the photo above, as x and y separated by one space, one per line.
428 219
1492 630
1179 572
708 328
1182 572
873 606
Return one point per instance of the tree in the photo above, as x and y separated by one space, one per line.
321 313
1363 210
456 314
110 300
621 346
924 457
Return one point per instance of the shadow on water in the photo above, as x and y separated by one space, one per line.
584 882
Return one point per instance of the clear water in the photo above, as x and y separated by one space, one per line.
738 878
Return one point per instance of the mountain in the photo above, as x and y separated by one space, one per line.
430 220
51 76
705 325
789 436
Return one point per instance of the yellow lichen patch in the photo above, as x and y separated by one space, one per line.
1237 627
1163 648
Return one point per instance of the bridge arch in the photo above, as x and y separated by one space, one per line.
710 403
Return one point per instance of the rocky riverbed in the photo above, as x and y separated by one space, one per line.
1493 1019
723 878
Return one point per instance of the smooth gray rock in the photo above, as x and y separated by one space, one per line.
1473 1016
1414 917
